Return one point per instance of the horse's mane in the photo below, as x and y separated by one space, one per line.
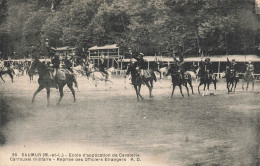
41 68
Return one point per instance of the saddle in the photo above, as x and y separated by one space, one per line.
61 74
147 74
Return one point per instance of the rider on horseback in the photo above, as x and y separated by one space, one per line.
179 65
141 64
68 64
208 67
231 67
56 65
102 67
250 69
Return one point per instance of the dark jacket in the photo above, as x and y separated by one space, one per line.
56 62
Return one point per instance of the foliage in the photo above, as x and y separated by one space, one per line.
148 26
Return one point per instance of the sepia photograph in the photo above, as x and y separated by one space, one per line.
129 82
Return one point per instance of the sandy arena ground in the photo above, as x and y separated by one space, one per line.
219 129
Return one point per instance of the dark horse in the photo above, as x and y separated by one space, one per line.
137 80
231 79
206 78
8 71
46 81
178 81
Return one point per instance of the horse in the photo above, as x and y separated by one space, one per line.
137 80
206 78
46 80
177 80
96 75
248 77
193 75
231 79
8 71
79 70
112 70
163 70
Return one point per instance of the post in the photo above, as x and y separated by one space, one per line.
121 65
113 62
98 57
219 69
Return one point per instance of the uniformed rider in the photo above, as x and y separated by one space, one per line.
208 66
250 69
68 64
141 64
102 67
180 65
55 65
231 67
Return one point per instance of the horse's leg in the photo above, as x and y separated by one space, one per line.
70 85
136 91
243 84
61 94
36 92
48 96
227 85
247 85
232 85
173 87
139 90
207 88
150 88
199 87
253 84
204 88
2 77
235 85
187 89
11 76
190 83
181 90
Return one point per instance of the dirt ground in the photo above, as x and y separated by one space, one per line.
219 129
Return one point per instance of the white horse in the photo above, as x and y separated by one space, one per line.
97 76
78 70
193 75
163 71
112 70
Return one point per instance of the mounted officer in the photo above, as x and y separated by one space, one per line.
180 65
68 64
55 65
141 64
208 67
250 69
102 67
174 67
231 67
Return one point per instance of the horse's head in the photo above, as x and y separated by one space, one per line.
39 66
